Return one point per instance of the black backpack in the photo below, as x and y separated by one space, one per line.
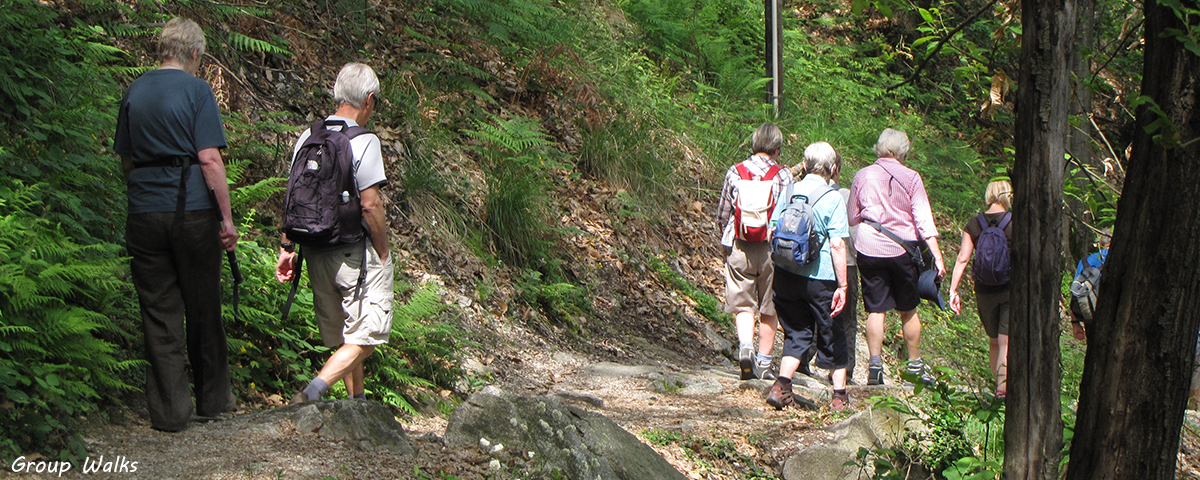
992 263
322 206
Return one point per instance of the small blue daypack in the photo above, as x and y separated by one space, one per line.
798 234
992 265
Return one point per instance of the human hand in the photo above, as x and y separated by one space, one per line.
286 266
1078 331
229 236
956 303
839 301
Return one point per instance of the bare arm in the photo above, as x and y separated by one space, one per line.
960 266
838 247
214 176
937 256
373 212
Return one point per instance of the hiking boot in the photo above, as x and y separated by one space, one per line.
781 394
746 363
840 401
922 372
875 375
805 369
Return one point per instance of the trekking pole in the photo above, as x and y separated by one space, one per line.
234 269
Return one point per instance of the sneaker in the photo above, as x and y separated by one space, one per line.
746 363
781 395
763 372
875 375
840 401
923 374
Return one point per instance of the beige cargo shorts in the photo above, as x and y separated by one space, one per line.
748 276
342 317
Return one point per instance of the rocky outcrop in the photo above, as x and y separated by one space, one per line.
871 429
366 424
547 438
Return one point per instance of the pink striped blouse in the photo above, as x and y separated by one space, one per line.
881 192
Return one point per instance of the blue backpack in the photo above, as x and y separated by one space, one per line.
992 265
798 234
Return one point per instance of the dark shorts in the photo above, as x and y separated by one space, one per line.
803 305
993 312
888 283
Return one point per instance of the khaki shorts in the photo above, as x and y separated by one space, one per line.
748 276
342 318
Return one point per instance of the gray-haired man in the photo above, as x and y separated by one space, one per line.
355 324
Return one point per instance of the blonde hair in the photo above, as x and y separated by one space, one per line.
820 158
766 139
178 38
892 144
354 84
999 191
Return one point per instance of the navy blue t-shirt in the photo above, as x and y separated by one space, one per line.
167 113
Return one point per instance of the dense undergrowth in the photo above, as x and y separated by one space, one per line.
496 109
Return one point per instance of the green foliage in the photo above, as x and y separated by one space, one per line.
965 431
250 44
422 351
518 24
626 153
705 452
59 305
564 303
518 158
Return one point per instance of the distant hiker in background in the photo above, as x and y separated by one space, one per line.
349 266
986 236
169 136
809 296
747 201
1085 287
891 199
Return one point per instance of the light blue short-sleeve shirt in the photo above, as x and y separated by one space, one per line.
830 210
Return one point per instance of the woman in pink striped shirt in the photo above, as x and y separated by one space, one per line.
888 195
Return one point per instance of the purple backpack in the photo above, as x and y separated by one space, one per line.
322 207
992 266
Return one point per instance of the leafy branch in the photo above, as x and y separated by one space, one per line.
941 43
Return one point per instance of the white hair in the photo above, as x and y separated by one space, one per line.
820 158
178 39
354 83
892 144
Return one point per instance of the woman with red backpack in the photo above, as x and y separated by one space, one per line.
985 236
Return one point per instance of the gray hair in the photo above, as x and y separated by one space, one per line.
354 83
766 139
820 158
178 38
892 144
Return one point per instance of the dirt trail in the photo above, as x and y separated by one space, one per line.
730 421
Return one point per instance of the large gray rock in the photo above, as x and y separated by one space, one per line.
552 437
365 424
871 429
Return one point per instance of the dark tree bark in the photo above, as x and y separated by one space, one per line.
1140 348
1081 144
1033 426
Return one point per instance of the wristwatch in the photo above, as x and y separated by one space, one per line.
288 247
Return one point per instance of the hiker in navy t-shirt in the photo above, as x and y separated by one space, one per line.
992 300
169 134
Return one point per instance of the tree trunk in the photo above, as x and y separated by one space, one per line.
1082 137
1141 346
1033 426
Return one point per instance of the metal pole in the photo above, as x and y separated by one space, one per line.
774 53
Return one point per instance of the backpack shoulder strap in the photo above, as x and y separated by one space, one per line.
743 172
1005 221
355 131
771 172
983 223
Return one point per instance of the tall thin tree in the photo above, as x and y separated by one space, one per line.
1141 346
1033 426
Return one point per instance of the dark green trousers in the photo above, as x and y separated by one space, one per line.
178 285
